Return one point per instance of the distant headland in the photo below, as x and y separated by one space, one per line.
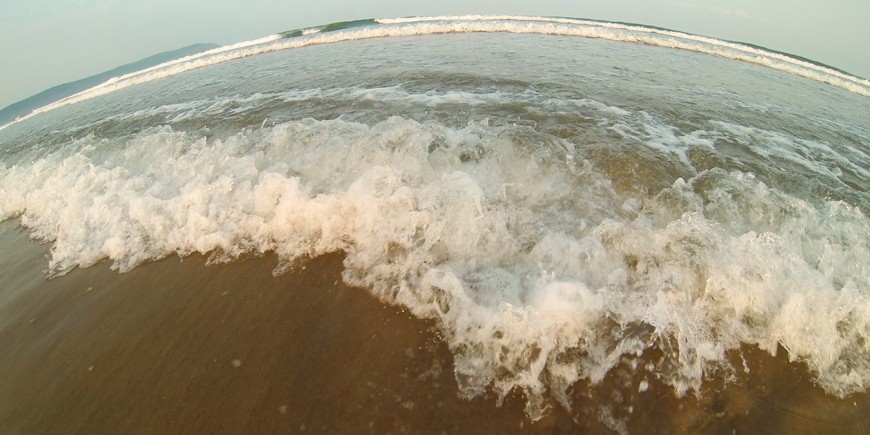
48 96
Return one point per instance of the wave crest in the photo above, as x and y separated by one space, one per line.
538 270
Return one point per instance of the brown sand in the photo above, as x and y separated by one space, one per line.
178 347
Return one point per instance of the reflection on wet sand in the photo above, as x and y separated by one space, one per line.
181 347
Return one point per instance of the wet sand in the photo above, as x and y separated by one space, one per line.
180 347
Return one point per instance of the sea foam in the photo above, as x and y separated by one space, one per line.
537 268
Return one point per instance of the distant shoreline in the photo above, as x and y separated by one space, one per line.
17 110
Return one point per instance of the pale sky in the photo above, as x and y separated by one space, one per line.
48 42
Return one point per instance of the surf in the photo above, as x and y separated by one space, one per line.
460 240
418 26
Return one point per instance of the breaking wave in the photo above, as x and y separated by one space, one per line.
378 28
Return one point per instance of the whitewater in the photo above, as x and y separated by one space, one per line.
559 196
479 23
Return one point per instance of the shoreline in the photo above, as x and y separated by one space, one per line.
177 346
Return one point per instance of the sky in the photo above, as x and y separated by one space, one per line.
50 42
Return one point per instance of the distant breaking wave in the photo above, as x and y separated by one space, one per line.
413 26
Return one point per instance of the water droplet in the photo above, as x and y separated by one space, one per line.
644 385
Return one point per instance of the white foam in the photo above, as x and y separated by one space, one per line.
474 23
763 57
812 155
166 69
538 271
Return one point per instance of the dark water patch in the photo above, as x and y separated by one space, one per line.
331 27
635 170
341 25
437 80
292 33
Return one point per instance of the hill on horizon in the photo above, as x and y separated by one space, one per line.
48 96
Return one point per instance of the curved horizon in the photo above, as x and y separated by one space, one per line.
369 28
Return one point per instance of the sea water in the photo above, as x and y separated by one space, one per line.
558 196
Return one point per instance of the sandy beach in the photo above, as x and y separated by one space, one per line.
178 346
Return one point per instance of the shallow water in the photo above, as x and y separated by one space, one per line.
600 233
180 347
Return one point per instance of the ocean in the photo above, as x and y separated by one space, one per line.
444 224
